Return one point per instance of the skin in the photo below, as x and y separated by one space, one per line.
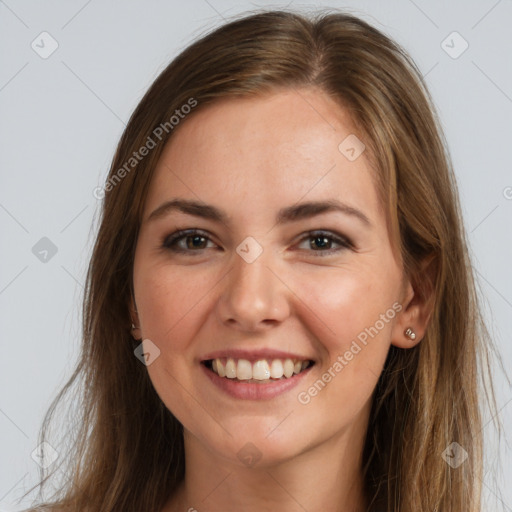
251 157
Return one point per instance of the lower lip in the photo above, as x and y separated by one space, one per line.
251 391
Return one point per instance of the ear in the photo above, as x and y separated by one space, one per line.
417 304
135 323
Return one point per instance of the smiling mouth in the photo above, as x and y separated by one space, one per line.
262 371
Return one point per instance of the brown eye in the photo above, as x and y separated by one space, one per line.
195 241
321 242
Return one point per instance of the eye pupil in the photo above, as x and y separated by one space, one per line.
324 241
195 238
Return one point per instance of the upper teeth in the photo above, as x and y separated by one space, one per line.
242 369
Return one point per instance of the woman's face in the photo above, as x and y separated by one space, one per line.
272 274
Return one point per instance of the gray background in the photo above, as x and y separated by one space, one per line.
60 120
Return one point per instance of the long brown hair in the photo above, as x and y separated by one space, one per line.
126 449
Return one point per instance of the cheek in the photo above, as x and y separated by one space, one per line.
351 312
347 302
171 306
169 300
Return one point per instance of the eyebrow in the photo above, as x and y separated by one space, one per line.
285 215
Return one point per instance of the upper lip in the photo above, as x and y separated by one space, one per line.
254 355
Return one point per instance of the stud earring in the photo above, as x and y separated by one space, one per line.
410 333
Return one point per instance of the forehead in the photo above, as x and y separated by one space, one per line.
252 155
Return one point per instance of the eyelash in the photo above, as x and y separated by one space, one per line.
171 240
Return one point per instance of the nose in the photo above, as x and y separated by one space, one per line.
254 296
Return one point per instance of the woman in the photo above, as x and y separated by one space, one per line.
280 310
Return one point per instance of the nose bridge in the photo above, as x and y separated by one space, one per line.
253 295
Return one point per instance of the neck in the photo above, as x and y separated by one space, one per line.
325 477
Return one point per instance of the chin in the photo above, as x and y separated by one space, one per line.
256 448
